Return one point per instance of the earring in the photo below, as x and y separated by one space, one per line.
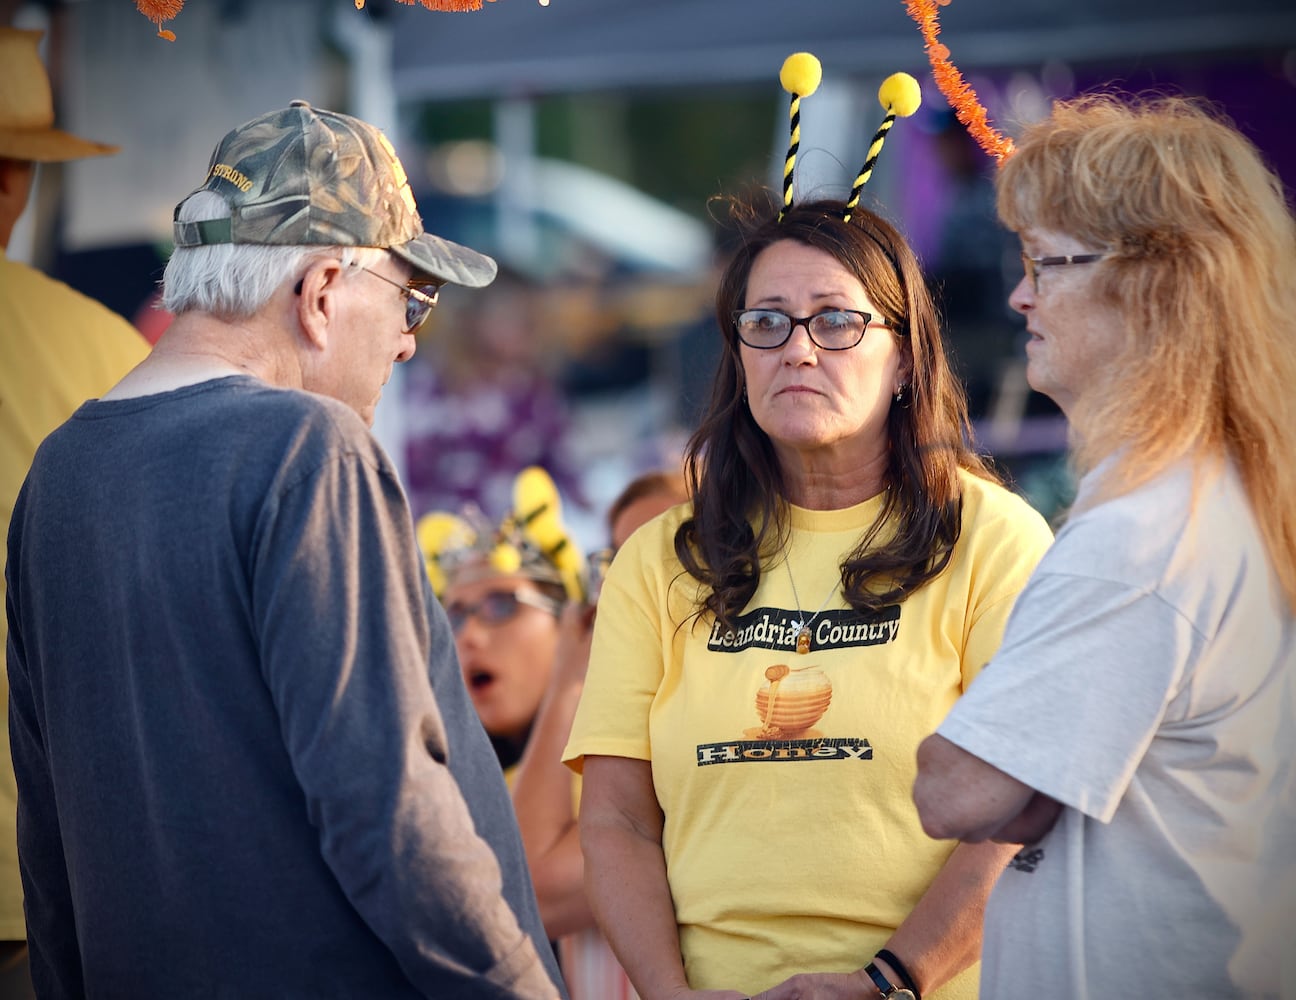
899 393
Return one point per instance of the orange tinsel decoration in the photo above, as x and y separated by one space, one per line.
446 4
158 11
962 98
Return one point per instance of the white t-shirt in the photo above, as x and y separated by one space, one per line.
1147 681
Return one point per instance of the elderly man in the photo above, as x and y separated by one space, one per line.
247 765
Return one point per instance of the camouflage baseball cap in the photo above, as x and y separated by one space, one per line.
304 176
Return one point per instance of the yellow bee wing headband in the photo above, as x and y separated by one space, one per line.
537 512
800 76
441 537
949 80
531 539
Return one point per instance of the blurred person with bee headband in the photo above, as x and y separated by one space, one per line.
521 602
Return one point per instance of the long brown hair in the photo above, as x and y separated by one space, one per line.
739 492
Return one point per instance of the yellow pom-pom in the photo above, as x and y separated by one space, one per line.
801 74
900 94
504 558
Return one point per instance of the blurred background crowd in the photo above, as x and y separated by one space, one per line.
581 143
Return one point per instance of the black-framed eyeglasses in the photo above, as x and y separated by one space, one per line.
418 303
497 607
831 330
1032 265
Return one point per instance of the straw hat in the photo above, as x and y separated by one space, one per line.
27 107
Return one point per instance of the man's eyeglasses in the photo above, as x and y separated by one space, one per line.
418 303
1032 265
497 607
831 330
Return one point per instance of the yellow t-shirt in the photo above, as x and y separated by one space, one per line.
791 839
58 348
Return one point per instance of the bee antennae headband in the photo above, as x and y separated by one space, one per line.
800 77
899 96
531 540
801 74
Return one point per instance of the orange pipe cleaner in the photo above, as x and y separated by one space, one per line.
962 98
158 11
441 4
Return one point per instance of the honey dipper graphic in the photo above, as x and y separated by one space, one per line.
790 702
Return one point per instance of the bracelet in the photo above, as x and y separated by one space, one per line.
900 971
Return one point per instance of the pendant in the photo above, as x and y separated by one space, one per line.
803 640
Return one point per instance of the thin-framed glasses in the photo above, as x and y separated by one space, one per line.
1032 265
497 607
418 303
830 330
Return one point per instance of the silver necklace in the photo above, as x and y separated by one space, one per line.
801 626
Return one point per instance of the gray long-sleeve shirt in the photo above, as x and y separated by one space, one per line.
233 702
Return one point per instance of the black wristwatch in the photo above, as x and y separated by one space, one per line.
888 989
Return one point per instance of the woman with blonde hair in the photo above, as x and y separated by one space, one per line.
1198 256
1138 724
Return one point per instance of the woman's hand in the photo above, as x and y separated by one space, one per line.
823 986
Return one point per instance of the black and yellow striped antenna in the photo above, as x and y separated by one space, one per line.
800 77
900 97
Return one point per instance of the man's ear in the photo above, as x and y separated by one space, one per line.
317 302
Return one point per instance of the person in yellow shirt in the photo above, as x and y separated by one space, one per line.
767 658
57 349
522 608
749 718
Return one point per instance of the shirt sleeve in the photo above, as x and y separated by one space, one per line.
627 655
1007 543
55 956
1074 697
343 627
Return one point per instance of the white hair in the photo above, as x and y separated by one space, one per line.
236 280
